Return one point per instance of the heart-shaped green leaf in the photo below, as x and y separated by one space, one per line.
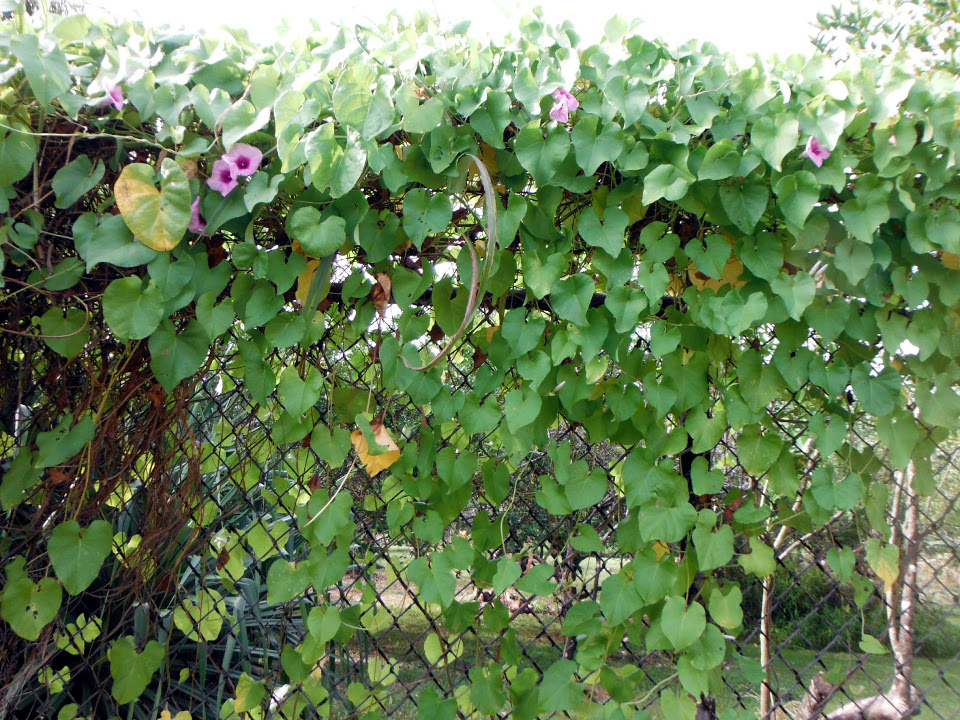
132 671
869 644
758 451
745 202
682 624
571 298
299 395
725 609
425 214
359 103
774 138
521 407
249 694
323 623
18 150
133 310
286 581
761 561
318 237
202 619
63 442
714 549
331 444
28 607
174 357
77 554
75 180
796 196
540 156
619 599
608 234
65 332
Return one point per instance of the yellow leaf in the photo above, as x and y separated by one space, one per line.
375 463
488 155
884 560
158 218
306 280
182 715
633 206
661 549
598 199
951 260
731 276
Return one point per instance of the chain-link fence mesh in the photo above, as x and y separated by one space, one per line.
211 491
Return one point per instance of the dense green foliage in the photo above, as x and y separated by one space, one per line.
671 270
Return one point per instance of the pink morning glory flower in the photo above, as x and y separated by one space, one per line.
565 104
245 158
815 151
114 97
223 179
197 223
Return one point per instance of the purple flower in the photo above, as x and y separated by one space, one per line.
245 158
197 223
114 97
815 151
223 179
566 104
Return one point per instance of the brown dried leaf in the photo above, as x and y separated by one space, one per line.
380 293
157 395
58 477
375 464
479 358
222 559
189 167
597 693
216 255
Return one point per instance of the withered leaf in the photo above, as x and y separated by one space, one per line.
375 464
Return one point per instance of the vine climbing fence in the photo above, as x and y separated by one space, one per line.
416 403
237 491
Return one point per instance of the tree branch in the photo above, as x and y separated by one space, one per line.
901 700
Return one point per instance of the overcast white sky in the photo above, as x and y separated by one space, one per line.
738 26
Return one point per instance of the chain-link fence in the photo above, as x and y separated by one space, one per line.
211 492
